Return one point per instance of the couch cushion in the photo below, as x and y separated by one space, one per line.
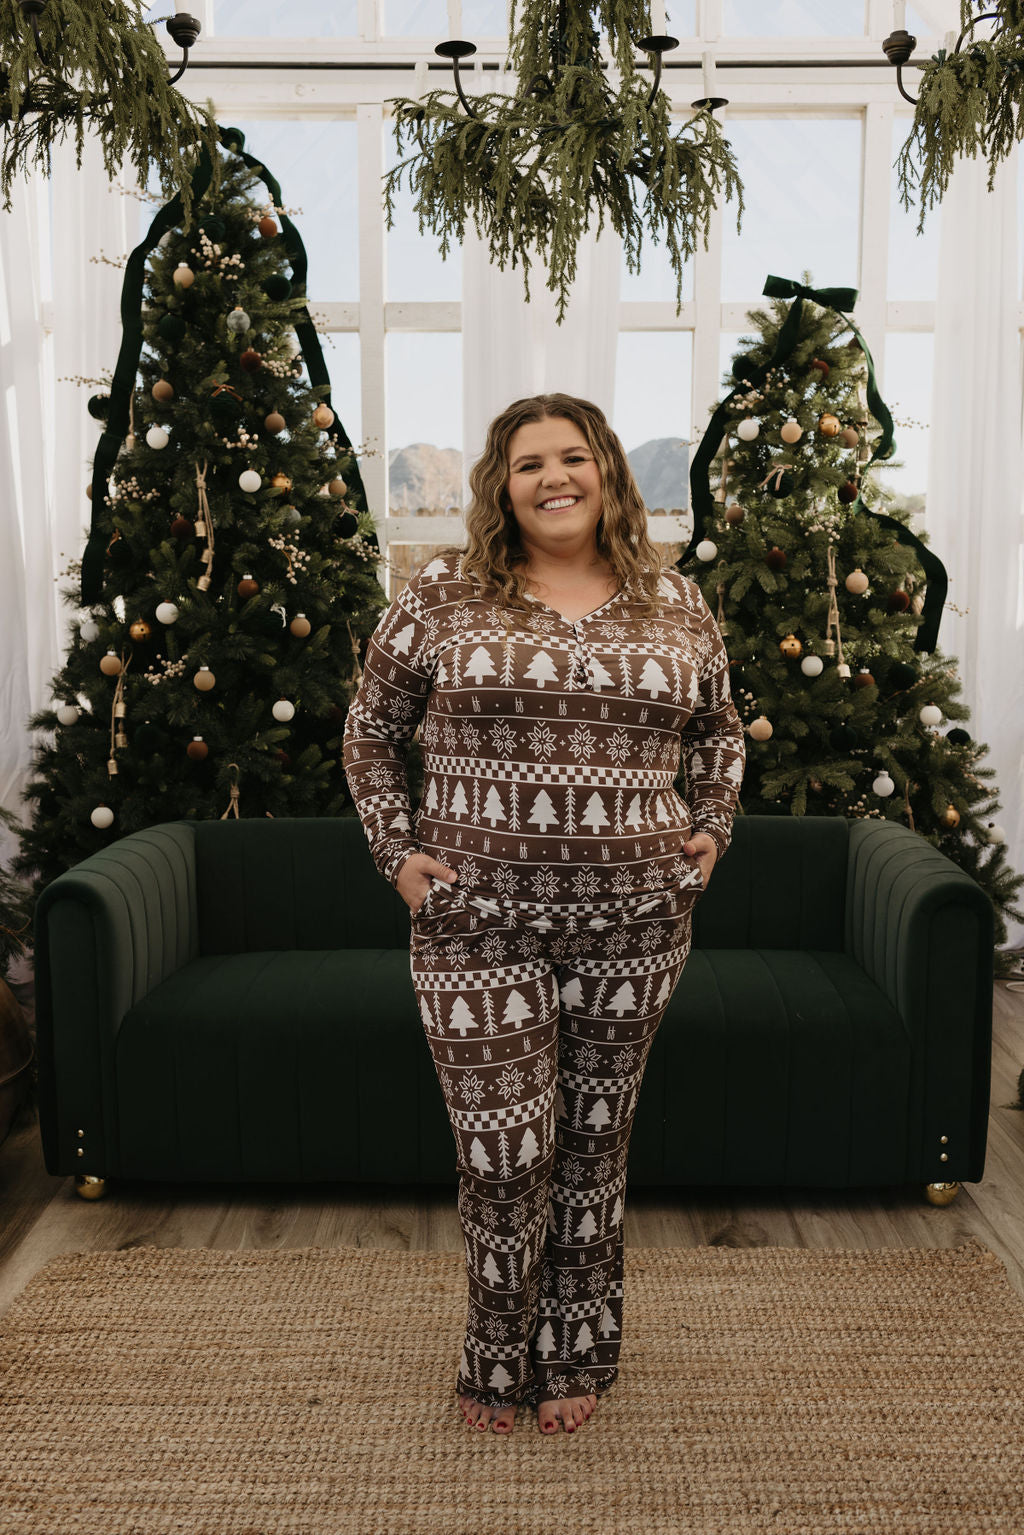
780 885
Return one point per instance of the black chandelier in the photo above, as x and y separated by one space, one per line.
184 30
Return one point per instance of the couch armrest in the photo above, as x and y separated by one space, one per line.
924 932
106 933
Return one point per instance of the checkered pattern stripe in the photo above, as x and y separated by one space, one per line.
504 1118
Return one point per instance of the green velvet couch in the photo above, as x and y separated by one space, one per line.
231 1000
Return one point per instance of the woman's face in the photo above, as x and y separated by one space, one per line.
554 485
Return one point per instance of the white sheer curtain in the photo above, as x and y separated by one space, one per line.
975 514
59 321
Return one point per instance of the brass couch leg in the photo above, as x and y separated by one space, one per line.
941 1193
89 1187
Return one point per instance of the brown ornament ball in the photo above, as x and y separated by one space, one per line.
336 487
775 559
849 492
735 513
88 491
323 416
829 425
140 631
280 482
815 785
247 587
110 664
204 679
300 626
283 758
182 527
863 679
275 422
162 390
197 749
336 714
951 816
791 431
762 728
790 645
267 227
899 601
250 361
850 436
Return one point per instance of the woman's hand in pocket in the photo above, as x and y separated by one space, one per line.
705 849
415 875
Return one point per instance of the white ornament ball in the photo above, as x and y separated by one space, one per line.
762 728
747 430
183 275
706 549
102 817
67 714
157 437
995 833
857 582
883 785
812 666
89 629
249 480
283 711
238 321
167 613
930 715
293 346
166 238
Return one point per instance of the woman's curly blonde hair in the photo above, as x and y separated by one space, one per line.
493 545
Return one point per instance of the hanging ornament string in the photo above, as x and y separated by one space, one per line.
232 809
129 441
720 615
832 621
204 528
906 802
357 675
117 713
773 479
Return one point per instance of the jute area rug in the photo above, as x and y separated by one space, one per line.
311 1391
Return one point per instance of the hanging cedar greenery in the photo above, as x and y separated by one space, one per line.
969 103
97 68
533 170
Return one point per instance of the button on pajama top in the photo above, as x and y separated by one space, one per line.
550 749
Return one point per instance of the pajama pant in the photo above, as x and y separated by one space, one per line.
540 1022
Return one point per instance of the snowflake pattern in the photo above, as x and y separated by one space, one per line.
509 1083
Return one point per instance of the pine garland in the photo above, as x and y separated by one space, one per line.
969 103
532 170
105 71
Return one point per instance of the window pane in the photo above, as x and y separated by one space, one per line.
652 413
415 270
424 426
908 393
913 257
413 18
802 210
341 354
681 18
299 18
656 279
484 18
314 163
793 18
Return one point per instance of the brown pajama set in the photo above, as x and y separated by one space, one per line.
550 750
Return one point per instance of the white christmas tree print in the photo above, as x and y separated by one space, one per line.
587 1227
541 669
403 640
607 1324
584 1339
600 677
560 1112
492 1273
529 1151
624 1000
478 1156
572 995
459 805
494 811
545 1341
435 570
599 1115
616 1215
428 1022
543 813
653 679
634 815
595 815
665 992
462 1019
479 666
430 799
500 1379
517 1009
693 691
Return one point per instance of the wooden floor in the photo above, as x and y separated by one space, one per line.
41 1216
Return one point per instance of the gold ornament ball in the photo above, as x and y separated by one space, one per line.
300 626
88 491
267 227
197 749
790 645
323 416
183 276
247 587
140 631
850 436
162 390
761 729
275 422
110 665
281 482
734 513
857 582
951 816
336 487
829 425
791 431
204 679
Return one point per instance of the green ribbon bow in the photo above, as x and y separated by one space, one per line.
127 367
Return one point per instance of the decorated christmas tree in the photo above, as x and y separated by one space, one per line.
229 581
829 606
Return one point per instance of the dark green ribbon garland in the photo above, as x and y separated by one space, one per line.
126 371
840 299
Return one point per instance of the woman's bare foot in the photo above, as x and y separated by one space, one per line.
569 1411
481 1418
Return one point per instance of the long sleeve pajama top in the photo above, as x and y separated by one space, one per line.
550 749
